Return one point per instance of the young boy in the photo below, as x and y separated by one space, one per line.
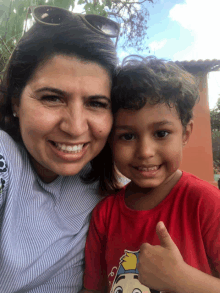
128 247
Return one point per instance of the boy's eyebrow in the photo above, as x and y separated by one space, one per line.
163 122
159 123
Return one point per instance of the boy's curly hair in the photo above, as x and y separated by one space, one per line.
154 81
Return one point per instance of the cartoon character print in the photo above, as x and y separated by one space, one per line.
3 168
3 165
2 184
126 279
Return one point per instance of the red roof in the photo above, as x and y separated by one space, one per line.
200 66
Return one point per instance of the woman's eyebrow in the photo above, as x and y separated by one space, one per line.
53 90
64 93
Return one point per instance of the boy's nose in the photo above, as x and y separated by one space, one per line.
146 149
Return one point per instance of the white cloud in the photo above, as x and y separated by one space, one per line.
155 45
201 18
213 88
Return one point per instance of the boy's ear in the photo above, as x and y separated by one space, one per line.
187 132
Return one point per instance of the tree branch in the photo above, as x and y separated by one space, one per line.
9 14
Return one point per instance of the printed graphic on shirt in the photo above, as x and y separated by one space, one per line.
3 168
126 278
2 184
3 165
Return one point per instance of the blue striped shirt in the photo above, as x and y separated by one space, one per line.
43 226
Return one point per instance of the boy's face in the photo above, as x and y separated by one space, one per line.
147 144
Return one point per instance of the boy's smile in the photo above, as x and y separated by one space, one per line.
147 144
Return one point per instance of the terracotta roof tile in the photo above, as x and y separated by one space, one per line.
200 66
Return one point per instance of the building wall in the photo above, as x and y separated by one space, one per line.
197 154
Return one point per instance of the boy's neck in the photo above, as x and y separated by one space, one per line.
138 198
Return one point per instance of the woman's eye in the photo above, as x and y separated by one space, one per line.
127 136
99 104
161 134
50 98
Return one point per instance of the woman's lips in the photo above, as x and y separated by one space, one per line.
69 152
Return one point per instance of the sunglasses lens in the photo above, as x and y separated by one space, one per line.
48 15
103 24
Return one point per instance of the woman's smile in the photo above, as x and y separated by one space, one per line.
69 148
70 153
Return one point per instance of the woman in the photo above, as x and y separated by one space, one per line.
55 119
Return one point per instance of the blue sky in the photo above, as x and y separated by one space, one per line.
184 30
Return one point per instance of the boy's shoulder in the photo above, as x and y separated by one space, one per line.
198 188
195 182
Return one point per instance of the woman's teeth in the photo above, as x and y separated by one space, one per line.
69 149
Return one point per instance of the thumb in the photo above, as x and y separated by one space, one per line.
164 237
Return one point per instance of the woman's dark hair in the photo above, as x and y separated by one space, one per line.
37 46
149 80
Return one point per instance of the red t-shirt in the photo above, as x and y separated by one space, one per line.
191 213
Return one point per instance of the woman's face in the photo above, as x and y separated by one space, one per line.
65 115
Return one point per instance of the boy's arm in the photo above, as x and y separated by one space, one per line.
162 268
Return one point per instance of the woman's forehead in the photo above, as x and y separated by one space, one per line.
71 76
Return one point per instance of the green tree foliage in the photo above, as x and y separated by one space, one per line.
215 127
215 117
132 15
12 16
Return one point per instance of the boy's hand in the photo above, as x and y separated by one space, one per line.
160 267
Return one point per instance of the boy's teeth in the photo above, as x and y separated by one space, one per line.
68 148
148 169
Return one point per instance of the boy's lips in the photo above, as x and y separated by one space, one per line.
149 168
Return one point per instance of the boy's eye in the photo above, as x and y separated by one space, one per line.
127 136
161 134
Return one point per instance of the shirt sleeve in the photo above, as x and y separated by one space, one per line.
95 277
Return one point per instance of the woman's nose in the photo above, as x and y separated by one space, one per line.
75 121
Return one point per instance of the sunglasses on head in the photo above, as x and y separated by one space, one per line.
53 16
